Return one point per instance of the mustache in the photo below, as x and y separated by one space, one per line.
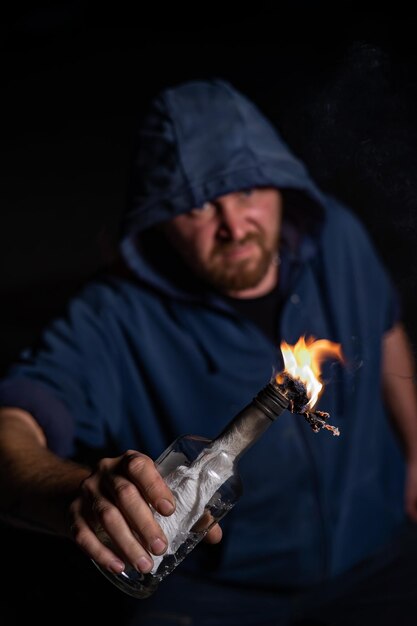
226 246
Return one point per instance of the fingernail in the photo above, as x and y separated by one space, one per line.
165 506
145 564
116 567
158 546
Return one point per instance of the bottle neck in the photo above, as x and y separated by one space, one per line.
250 423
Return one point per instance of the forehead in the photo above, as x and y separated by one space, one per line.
258 204
254 193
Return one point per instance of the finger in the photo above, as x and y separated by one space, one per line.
118 506
143 473
89 542
139 517
214 535
115 534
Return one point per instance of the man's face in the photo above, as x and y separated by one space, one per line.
232 241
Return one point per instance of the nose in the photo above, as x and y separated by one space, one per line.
232 220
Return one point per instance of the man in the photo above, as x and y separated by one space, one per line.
228 248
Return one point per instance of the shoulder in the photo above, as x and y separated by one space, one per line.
345 231
347 248
108 291
113 300
341 218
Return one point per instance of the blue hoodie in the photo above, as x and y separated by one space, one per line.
142 358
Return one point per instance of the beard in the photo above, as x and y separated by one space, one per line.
237 275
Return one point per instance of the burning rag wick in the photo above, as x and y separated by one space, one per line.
295 391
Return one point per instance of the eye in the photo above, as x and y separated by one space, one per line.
246 193
206 210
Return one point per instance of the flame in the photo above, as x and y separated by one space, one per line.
303 360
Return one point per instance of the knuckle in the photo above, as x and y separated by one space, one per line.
104 510
136 462
80 535
105 465
125 491
149 530
153 488
87 486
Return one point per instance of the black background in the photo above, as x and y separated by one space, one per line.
339 81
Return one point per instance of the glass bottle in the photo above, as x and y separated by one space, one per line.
202 474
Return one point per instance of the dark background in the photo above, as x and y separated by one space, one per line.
339 81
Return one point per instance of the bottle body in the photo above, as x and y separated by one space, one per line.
202 475
206 485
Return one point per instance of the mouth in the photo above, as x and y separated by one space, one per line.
239 251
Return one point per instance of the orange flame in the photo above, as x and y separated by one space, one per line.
303 360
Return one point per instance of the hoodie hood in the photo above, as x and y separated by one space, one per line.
201 140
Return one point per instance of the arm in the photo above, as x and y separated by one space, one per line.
399 383
46 492
35 484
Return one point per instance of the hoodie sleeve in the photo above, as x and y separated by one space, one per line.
68 380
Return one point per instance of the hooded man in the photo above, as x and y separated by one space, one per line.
228 247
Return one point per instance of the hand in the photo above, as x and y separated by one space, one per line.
114 504
411 490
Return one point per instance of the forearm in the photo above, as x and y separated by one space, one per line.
399 381
36 486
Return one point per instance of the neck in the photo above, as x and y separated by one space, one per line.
250 423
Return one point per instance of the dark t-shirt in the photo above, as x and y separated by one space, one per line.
263 311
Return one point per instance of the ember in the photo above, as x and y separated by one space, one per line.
300 381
